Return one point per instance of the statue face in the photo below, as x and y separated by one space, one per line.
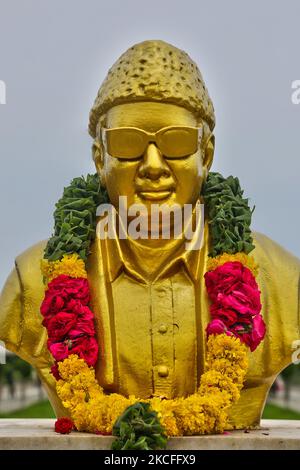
152 177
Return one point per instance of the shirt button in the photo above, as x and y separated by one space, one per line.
163 328
163 371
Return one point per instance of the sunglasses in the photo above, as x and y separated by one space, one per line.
130 142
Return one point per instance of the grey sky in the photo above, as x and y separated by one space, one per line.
54 55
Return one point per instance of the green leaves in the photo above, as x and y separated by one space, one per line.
138 428
229 215
75 218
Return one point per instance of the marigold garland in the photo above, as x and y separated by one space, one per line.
235 311
201 413
246 260
70 265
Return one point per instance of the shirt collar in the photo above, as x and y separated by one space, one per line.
119 258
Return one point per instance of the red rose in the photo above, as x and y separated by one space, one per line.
84 326
77 307
61 291
233 286
55 371
227 315
85 347
59 325
85 320
64 425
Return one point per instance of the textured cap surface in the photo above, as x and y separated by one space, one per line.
153 71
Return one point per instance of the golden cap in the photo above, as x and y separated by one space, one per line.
153 71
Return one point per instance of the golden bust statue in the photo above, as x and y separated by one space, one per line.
148 295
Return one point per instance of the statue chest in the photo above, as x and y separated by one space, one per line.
151 335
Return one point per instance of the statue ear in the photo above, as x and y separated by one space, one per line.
98 158
209 152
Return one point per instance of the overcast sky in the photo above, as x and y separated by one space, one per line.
54 55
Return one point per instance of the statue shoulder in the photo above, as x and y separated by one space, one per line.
28 264
20 320
278 280
272 255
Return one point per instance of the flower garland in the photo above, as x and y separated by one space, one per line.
236 323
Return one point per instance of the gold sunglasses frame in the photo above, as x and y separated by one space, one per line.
152 137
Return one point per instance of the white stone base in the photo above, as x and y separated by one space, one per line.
33 434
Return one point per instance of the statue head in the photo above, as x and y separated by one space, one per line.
152 124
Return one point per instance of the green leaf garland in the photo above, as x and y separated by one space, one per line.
75 218
139 428
229 215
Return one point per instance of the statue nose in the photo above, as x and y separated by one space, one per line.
153 165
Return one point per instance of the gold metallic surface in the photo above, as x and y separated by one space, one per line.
131 142
148 296
153 71
181 178
123 338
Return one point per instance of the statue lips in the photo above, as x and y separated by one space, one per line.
156 193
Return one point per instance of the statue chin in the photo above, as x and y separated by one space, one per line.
148 292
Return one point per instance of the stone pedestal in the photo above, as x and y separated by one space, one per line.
33 434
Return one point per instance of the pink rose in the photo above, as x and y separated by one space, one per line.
233 286
59 350
258 332
216 327
254 336
85 347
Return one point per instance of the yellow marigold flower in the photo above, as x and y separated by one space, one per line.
70 265
64 391
165 412
223 346
222 365
80 416
190 416
243 258
201 413
73 366
214 379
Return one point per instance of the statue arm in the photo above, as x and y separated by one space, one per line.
21 328
278 279
11 312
